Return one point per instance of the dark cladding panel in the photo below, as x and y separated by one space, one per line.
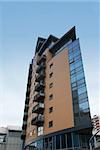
46 44
40 41
70 35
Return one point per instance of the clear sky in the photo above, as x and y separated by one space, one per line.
20 25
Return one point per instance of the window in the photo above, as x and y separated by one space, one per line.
50 75
51 65
84 105
80 82
57 141
81 90
50 124
72 66
50 109
74 84
78 63
73 79
51 97
63 141
83 96
50 85
76 139
40 130
80 76
69 140
83 100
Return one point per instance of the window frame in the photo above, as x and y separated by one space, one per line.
50 109
50 124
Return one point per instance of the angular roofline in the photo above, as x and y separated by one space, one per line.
70 35
39 40
50 39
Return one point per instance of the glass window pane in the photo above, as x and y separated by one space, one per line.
63 141
84 105
72 66
80 82
80 76
75 94
81 90
58 142
83 96
76 52
73 79
74 88
73 72
79 69
75 140
77 57
46 143
83 100
78 63
74 84
69 140
71 56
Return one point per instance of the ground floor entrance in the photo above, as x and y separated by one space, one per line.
62 141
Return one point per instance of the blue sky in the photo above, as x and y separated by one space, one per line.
20 25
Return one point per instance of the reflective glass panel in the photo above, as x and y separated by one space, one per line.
84 105
81 90
63 141
69 140
58 142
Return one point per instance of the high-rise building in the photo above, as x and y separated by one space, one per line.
57 114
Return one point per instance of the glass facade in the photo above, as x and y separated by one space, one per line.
69 141
78 84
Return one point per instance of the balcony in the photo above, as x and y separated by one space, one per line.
38 120
24 125
26 108
39 97
25 116
27 100
39 86
42 59
41 67
40 76
38 108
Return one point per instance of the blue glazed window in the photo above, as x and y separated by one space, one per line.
83 96
80 76
81 90
84 105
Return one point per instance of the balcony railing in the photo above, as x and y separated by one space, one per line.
42 59
25 116
39 86
39 97
24 125
40 76
40 67
26 108
38 120
39 108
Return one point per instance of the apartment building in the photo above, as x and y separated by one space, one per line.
57 113
96 123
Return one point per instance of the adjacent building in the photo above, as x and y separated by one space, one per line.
57 113
10 138
96 123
